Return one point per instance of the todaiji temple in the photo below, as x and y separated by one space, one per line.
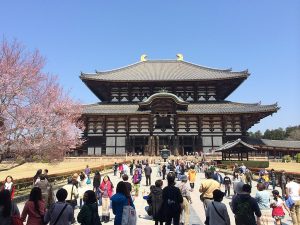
153 104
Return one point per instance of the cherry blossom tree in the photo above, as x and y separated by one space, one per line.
37 118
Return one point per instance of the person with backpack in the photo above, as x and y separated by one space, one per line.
172 201
106 189
60 213
8 208
88 214
136 179
119 201
293 191
34 208
244 207
155 202
216 212
72 191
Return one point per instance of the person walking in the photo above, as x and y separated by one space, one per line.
216 212
87 171
148 172
164 171
8 184
125 179
263 199
192 176
119 200
277 205
217 176
131 168
8 208
206 189
47 193
96 186
155 202
248 177
60 213
136 179
185 192
36 177
73 194
172 201
115 168
282 182
88 214
272 177
34 208
106 189
82 188
244 207
293 191
227 184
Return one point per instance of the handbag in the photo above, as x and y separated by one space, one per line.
129 215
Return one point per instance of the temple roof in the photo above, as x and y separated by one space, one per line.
164 70
273 143
193 108
234 144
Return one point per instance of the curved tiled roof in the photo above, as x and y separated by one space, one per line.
229 145
193 108
164 70
273 143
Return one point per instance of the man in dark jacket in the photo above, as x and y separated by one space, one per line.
244 207
148 172
172 201
155 202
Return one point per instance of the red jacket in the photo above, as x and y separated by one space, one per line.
12 191
109 188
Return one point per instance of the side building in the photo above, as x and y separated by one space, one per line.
155 103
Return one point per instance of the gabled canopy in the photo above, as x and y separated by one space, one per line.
235 146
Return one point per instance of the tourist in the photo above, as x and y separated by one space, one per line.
277 205
243 168
164 171
265 177
36 177
227 184
60 213
172 200
8 208
272 177
136 179
34 208
248 177
192 176
293 191
96 186
131 168
128 185
106 189
155 202
87 171
120 169
88 214
207 187
72 191
263 200
45 174
244 207
148 172
9 185
185 192
119 200
216 212
115 168
282 182
217 176
47 193
82 188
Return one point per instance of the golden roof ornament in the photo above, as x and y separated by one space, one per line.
179 57
144 58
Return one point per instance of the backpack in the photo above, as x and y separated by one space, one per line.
244 211
88 181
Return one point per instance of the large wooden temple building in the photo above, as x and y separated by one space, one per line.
173 103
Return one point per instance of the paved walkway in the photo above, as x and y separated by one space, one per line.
197 210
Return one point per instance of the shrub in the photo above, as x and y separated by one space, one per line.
286 158
249 164
297 157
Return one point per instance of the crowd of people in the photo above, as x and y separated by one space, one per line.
165 205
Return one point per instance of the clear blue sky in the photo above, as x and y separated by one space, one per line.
262 36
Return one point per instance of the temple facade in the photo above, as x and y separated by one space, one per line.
176 104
